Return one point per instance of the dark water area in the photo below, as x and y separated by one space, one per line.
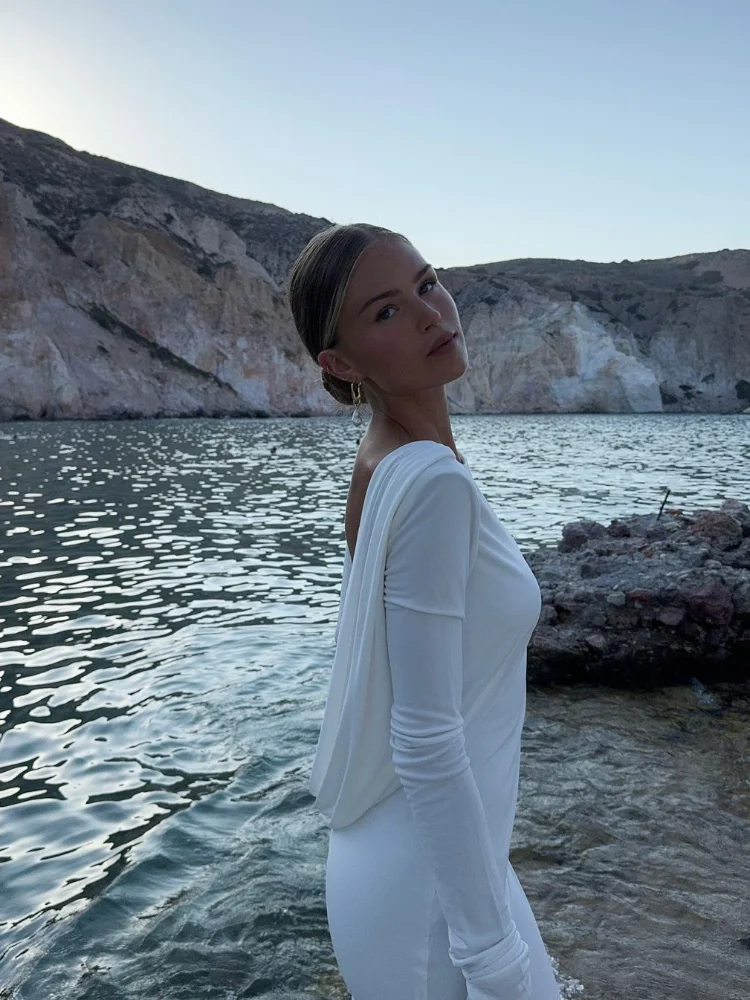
168 593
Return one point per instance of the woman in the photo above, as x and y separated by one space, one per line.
422 901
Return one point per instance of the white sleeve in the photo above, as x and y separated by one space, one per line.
427 566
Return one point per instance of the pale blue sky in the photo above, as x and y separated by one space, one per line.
595 129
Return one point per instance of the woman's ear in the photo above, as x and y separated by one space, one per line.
337 367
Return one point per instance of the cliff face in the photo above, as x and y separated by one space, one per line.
653 335
126 293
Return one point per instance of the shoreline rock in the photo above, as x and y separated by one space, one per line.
647 601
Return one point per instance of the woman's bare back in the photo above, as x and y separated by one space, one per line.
364 466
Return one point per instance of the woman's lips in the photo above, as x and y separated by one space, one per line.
446 347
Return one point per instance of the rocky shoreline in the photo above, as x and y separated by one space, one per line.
647 601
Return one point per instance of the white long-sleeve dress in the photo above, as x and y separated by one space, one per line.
422 901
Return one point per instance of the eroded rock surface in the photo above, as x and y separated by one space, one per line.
646 600
127 293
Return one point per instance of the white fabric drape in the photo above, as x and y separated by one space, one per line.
353 767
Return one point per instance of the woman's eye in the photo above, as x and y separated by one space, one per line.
380 315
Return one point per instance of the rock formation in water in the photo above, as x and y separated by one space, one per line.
647 601
127 293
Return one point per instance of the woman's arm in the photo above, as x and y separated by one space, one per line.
427 567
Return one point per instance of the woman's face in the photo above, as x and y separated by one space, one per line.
393 313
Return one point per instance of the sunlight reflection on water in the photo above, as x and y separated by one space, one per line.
168 591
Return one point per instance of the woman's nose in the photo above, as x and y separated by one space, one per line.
429 313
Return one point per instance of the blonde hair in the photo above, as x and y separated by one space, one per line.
318 281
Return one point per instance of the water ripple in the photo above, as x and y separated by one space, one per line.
168 591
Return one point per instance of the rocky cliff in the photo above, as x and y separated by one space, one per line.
126 293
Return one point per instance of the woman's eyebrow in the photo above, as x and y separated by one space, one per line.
392 291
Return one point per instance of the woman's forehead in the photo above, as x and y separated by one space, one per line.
383 267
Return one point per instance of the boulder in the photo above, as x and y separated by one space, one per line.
645 601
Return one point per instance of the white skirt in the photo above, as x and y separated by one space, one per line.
389 935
